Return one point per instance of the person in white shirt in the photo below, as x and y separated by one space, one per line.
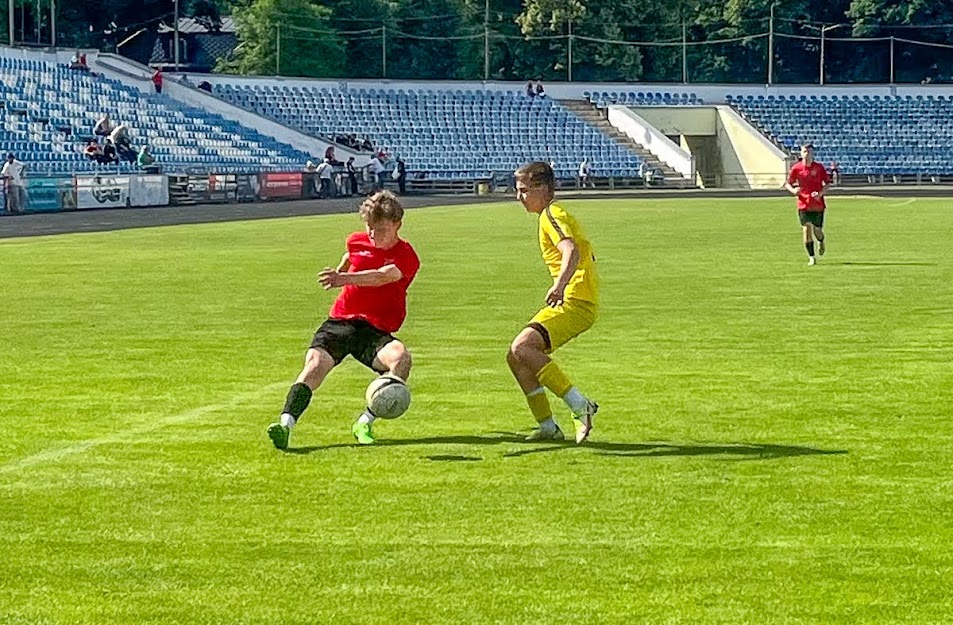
12 175
324 172
585 169
374 170
103 127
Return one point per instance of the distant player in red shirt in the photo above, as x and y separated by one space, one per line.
373 276
808 182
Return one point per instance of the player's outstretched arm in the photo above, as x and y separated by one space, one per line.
332 278
791 188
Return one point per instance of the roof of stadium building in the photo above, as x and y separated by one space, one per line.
188 25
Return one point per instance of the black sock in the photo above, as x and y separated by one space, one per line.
298 399
810 249
820 239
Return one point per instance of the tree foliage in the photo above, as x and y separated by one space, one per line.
447 39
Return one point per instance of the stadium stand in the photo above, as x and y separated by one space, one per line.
447 134
48 113
870 135
601 99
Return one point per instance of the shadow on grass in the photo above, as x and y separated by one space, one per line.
883 264
730 451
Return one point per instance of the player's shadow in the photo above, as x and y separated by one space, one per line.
727 451
882 264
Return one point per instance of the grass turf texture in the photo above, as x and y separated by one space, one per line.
774 444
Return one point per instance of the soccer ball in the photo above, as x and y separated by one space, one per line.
388 397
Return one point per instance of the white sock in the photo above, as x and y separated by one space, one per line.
576 401
366 417
548 425
287 420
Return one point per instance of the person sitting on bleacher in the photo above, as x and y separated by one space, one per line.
540 92
109 153
95 153
146 161
329 157
103 127
530 92
120 139
78 61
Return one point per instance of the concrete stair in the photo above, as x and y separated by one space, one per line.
591 115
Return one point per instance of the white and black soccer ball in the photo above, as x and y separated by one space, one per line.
388 397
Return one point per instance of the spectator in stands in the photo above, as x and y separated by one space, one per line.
93 151
352 175
205 86
530 92
157 80
540 92
329 157
78 61
324 172
401 170
109 153
367 145
835 173
146 161
13 181
103 127
585 170
375 167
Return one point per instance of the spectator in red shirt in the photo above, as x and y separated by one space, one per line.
373 276
808 181
157 80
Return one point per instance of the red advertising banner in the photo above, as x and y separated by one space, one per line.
280 185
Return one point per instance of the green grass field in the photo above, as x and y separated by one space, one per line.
775 443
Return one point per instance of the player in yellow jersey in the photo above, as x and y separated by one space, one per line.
572 304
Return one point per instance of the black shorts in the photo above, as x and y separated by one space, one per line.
811 217
340 337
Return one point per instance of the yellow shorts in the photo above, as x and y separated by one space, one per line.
561 324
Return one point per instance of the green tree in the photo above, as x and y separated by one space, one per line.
287 37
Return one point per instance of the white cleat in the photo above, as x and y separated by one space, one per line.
539 434
584 423
812 261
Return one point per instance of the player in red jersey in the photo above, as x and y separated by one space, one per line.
373 276
808 181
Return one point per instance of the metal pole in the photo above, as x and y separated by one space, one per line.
569 67
175 41
771 47
384 50
823 30
277 49
684 53
37 20
891 60
486 41
53 23
10 23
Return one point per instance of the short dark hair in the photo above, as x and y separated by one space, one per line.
809 146
382 205
537 174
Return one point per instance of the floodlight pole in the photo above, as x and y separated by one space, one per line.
384 50
684 53
569 64
891 60
771 47
53 23
175 39
486 41
823 30
10 23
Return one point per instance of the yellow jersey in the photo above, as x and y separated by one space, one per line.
555 224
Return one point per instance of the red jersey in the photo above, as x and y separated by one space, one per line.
808 180
384 307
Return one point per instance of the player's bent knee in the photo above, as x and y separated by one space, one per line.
318 360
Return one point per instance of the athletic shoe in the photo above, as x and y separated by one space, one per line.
821 248
279 435
812 261
540 434
362 432
584 423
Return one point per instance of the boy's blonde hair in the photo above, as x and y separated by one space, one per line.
382 205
